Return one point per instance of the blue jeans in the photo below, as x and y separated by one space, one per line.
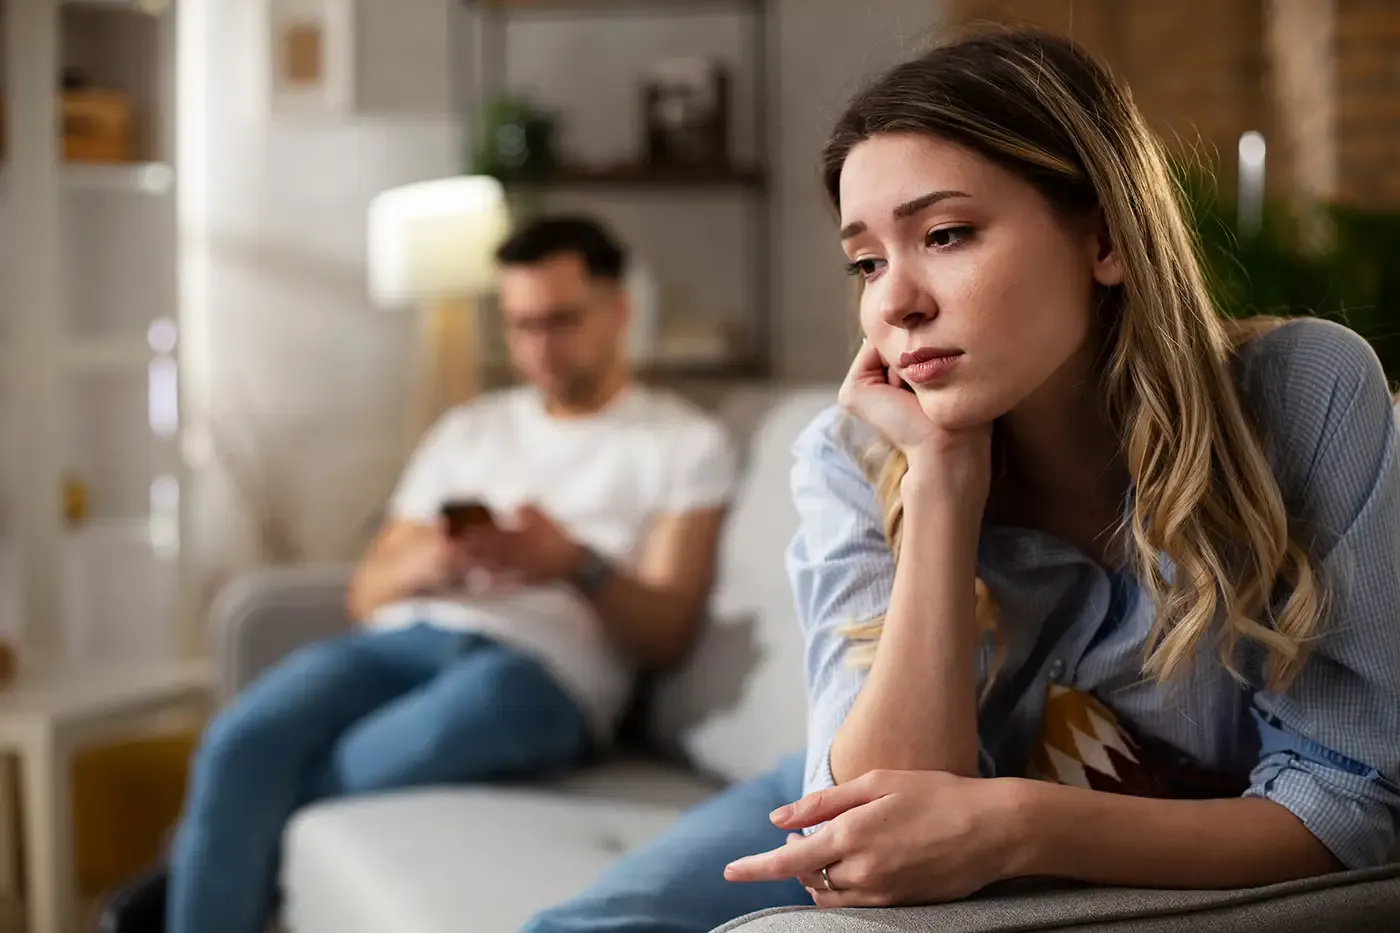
676 884
363 713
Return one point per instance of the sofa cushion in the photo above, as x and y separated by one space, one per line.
469 860
739 702
1363 901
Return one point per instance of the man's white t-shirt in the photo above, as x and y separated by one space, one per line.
602 478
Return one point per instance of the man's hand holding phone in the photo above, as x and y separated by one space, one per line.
529 548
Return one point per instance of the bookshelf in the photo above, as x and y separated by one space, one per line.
89 328
727 203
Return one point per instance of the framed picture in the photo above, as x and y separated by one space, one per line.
310 57
685 112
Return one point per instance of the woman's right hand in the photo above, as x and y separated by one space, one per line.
873 393
957 462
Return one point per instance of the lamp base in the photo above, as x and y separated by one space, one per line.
446 361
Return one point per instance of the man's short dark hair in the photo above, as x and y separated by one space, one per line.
545 237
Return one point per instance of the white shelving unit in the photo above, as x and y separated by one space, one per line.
89 358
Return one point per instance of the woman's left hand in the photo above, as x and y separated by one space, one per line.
894 838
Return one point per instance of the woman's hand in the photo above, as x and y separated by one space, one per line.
874 393
894 838
941 460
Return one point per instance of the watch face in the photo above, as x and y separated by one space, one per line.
593 572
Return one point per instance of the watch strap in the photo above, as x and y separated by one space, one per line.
592 572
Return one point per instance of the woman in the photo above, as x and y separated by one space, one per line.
1071 526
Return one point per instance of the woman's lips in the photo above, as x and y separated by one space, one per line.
922 366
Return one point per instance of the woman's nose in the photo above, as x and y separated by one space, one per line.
904 304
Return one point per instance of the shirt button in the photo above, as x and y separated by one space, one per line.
1057 670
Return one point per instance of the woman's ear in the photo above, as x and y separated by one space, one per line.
1107 269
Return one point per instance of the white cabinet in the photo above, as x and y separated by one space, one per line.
89 349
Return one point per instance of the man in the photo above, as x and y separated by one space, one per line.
505 645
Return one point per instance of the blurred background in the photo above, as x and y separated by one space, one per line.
197 380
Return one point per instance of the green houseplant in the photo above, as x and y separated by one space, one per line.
1352 277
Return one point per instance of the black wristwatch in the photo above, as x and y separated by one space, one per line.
592 572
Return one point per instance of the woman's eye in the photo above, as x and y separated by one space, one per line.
864 268
945 237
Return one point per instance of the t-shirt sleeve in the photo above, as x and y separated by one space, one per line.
704 468
423 485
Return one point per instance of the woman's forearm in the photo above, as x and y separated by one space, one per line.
1116 839
918 708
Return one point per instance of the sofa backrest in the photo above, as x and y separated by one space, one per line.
740 701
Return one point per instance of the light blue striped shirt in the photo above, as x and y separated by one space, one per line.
1328 749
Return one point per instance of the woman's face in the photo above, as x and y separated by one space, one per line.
976 292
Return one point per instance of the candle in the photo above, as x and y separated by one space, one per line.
1251 183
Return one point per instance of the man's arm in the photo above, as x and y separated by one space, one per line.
406 558
655 612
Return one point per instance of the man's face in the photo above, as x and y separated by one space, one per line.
563 329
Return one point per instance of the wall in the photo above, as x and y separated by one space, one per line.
826 51
1319 78
1367 81
1196 67
305 382
300 380
587 68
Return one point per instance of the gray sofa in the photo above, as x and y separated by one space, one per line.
455 860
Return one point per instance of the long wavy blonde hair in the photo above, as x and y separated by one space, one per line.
1205 498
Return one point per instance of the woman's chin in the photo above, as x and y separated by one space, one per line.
953 411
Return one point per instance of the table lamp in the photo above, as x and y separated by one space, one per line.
432 249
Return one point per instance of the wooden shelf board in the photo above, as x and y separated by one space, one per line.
152 178
663 371
105 355
144 7
658 7
137 177
646 176
108 355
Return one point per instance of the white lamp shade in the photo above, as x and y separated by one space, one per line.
435 239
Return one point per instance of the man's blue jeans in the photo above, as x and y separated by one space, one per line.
364 713
676 884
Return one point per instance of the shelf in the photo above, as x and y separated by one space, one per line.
108 355
100 355
138 177
647 176
656 7
152 178
661 372
143 7
110 530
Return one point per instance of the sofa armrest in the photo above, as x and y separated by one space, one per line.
261 617
1346 902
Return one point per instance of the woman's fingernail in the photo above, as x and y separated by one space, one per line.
782 814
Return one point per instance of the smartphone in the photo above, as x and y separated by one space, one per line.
462 515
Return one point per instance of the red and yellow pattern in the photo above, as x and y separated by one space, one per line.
1084 744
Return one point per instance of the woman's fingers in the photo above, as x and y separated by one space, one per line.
822 806
802 856
868 365
841 892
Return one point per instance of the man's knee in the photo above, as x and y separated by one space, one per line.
562 918
262 719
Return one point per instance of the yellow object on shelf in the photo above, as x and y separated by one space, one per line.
96 126
75 502
127 797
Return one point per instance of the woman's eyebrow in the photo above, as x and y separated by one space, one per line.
907 209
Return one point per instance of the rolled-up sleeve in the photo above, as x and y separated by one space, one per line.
1330 745
842 572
